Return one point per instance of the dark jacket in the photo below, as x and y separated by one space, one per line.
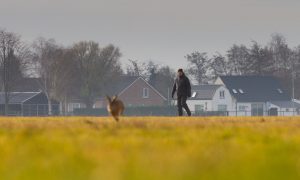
182 86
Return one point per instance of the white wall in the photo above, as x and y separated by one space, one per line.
247 111
72 105
212 105
228 100
206 103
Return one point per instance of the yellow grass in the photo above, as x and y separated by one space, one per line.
150 148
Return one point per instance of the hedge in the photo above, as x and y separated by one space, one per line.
131 111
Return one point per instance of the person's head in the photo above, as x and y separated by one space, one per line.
180 73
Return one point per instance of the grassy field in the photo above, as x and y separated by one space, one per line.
150 148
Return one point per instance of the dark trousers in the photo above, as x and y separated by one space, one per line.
181 103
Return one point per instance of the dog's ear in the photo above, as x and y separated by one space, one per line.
108 99
115 97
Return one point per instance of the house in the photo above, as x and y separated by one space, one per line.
136 91
132 90
243 96
28 104
257 96
283 108
209 98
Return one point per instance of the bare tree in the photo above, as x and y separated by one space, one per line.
152 72
136 68
260 60
97 68
164 80
281 54
14 56
295 71
67 83
47 55
219 66
198 66
238 57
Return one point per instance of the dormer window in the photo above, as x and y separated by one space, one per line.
241 91
194 94
234 91
279 90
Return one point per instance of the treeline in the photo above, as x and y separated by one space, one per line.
82 71
79 71
275 58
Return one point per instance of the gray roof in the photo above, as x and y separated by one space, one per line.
255 88
286 104
204 92
120 84
17 97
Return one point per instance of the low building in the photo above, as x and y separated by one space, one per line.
28 104
283 108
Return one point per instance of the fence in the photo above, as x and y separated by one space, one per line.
30 110
246 113
39 109
131 111
172 111
42 110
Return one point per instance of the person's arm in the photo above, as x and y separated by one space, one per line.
174 88
189 87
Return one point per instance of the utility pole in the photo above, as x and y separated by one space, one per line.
293 92
293 86
5 81
169 97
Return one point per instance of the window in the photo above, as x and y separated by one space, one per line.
234 91
72 106
279 90
287 110
194 94
257 109
205 106
242 108
222 94
145 92
76 105
222 107
199 108
241 91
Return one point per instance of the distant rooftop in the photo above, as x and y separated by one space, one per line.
204 92
17 97
120 84
255 88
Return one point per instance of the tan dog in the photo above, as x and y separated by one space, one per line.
115 107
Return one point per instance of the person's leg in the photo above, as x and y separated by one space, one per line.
179 106
185 106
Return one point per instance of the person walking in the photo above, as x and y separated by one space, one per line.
183 88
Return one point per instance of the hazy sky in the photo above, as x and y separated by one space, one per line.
160 30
